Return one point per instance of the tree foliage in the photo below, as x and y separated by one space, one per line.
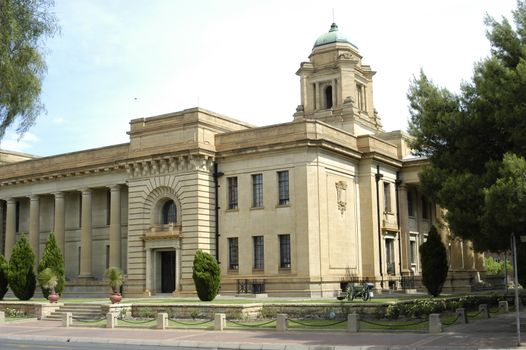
21 276
207 275
433 257
54 260
3 276
467 134
24 24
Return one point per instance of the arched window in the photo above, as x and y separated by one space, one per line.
328 97
169 213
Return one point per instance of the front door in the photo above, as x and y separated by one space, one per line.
167 272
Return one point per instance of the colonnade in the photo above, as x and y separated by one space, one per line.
59 228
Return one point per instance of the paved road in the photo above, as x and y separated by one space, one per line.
52 345
493 333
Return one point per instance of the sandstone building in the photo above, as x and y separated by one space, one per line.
289 209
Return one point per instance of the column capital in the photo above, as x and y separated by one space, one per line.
115 187
10 200
34 197
58 194
85 190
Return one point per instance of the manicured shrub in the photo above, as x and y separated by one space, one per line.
54 260
3 276
392 312
207 275
434 263
21 276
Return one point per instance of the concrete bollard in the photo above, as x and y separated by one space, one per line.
2 317
162 320
435 326
353 323
281 323
483 309
67 319
219 322
110 320
503 306
461 314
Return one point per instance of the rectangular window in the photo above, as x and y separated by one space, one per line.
257 190
108 207
233 254
389 256
283 185
387 197
425 208
412 252
259 255
410 204
107 256
17 216
232 192
284 251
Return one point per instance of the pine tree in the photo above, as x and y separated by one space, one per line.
3 276
53 259
206 275
434 263
21 276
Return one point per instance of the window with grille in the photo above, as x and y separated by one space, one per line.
284 251
169 213
233 253
257 190
283 187
259 255
232 192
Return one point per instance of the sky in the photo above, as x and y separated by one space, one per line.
117 60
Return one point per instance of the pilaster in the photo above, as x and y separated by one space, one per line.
34 225
115 226
85 235
404 226
10 227
59 221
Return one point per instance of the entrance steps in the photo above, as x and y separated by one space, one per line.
83 312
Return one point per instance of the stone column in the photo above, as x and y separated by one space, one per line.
404 223
178 262
469 256
2 232
85 235
60 218
10 227
317 97
34 225
115 226
334 93
149 287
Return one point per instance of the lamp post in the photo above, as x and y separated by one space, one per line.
517 314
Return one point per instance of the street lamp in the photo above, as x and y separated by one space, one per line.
517 314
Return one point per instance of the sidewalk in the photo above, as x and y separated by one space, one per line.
495 333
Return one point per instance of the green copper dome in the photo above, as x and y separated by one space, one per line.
333 36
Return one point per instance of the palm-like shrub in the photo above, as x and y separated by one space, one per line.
434 263
21 275
115 278
54 260
206 275
48 280
3 276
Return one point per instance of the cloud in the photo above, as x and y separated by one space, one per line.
11 142
58 120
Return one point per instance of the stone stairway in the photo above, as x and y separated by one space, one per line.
84 312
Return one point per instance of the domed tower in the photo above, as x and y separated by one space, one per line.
336 87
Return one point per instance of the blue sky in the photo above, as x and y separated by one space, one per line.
117 60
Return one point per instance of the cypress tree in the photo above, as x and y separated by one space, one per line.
206 275
434 263
3 276
53 259
21 275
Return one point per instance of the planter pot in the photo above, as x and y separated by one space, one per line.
53 298
115 298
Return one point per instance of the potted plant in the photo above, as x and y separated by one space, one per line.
115 278
48 279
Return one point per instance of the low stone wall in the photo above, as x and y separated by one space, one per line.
33 309
255 311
